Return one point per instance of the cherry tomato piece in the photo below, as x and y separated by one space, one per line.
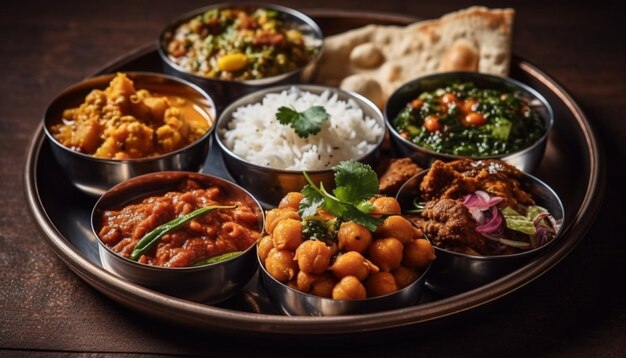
432 123
475 119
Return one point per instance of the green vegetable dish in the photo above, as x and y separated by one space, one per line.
240 44
462 119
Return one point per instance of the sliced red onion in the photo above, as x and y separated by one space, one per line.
513 243
478 215
493 225
480 200
518 244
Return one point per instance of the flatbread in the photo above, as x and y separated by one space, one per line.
375 60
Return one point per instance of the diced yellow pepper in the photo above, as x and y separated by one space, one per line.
294 36
232 62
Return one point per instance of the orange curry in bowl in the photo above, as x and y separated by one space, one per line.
122 122
232 227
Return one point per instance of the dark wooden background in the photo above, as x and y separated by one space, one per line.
576 309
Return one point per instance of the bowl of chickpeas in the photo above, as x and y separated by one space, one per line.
322 265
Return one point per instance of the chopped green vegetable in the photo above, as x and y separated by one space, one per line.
518 222
218 258
502 129
303 123
355 184
154 236
314 228
472 121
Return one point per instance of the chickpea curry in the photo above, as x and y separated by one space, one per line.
239 44
228 225
462 119
122 122
339 256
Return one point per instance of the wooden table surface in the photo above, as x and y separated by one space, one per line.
578 308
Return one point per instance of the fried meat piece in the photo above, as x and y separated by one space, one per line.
500 185
442 181
471 168
449 224
398 172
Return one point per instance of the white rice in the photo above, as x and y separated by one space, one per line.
254 133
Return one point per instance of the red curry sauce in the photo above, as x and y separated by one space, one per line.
212 234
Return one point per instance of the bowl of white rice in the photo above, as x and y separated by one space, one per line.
268 158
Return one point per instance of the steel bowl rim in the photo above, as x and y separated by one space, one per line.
211 112
548 122
257 95
126 261
330 300
298 16
559 233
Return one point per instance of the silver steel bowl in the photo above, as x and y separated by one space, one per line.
95 176
224 91
209 283
452 272
270 185
526 159
297 303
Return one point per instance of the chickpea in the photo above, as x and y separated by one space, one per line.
291 200
353 264
264 247
287 234
304 281
386 253
417 233
386 205
325 215
274 216
313 256
354 237
418 254
323 285
405 276
380 284
398 227
349 288
293 284
280 265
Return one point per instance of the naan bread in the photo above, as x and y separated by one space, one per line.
375 60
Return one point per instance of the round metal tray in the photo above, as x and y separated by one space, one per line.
573 165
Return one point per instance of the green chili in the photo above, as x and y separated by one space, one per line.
154 236
218 258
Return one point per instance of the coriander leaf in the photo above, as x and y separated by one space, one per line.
311 201
357 210
361 218
365 206
332 204
354 182
286 115
303 123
